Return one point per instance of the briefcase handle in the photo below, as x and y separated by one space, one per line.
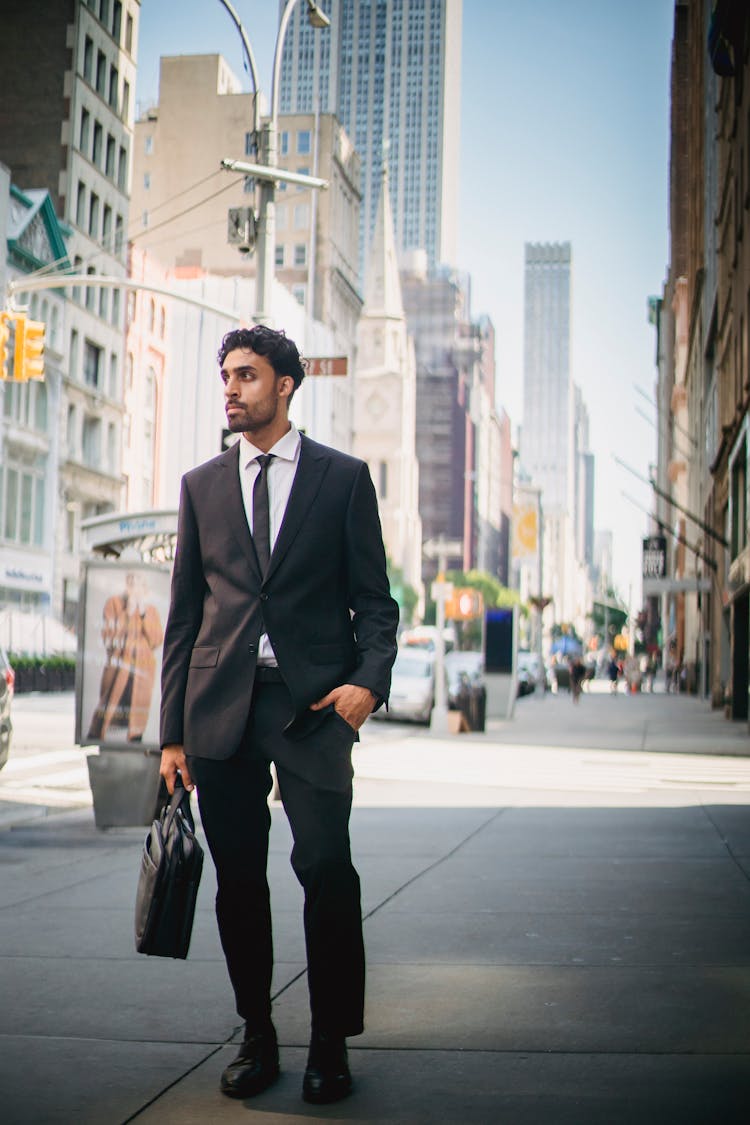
175 803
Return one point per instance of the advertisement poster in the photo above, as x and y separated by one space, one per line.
124 608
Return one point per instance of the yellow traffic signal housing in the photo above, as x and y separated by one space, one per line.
463 604
28 361
4 342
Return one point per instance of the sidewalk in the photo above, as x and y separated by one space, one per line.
557 921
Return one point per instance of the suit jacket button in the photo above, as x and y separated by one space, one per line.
252 649
264 597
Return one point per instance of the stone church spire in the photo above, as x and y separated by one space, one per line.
383 287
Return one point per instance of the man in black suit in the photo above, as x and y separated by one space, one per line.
279 643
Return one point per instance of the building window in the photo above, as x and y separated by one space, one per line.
91 441
284 144
148 145
117 21
40 407
88 59
129 34
73 361
114 79
77 268
113 379
22 502
301 216
146 181
70 432
281 217
94 216
116 307
109 167
118 234
162 322
125 100
302 172
96 152
103 303
298 292
383 480
300 255
54 329
112 448
92 362
90 290
101 73
303 142
81 205
280 256
122 170
151 315
248 185
250 146
83 136
106 226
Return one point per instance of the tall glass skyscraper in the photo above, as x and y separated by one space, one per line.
391 72
547 434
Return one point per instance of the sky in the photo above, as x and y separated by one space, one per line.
564 137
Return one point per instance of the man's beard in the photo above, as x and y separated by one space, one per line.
248 421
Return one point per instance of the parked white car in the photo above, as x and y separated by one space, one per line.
532 675
412 687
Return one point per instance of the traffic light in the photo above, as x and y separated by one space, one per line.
4 342
28 361
463 603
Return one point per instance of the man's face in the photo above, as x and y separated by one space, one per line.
256 398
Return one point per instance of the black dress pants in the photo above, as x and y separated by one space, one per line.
233 801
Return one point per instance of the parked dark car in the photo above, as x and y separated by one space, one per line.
466 690
7 683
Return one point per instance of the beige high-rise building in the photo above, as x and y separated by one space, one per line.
67 82
181 198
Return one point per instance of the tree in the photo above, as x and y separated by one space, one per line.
406 596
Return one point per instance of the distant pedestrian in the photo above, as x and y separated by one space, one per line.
577 674
613 674
279 644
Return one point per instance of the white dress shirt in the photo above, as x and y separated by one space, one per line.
281 472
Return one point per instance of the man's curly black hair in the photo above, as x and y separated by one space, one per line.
280 352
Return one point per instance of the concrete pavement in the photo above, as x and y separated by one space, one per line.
557 920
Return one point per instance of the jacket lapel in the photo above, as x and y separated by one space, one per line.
230 503
312 467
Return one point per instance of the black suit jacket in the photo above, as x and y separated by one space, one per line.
325 601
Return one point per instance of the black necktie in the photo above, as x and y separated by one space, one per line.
261 515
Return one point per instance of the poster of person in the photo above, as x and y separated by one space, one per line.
119 653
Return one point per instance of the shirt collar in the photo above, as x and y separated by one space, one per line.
285 448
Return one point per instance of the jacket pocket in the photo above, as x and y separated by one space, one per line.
328 654
205 656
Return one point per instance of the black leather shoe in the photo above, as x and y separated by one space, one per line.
255 1068
327 1077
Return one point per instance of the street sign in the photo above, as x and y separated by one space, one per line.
654 557
327 365
434 548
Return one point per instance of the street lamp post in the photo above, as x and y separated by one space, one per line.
266 226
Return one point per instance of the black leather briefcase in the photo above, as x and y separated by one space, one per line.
171 867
